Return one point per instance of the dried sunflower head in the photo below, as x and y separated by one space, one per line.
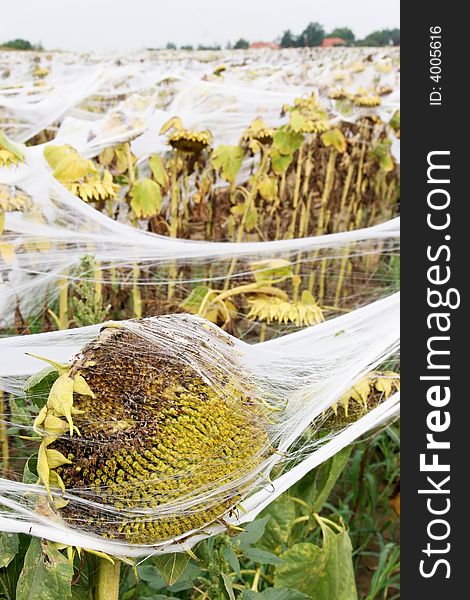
339 94
270 308
367 100
13 199
161 451
185 140
383 90
189 141
366 394
259 132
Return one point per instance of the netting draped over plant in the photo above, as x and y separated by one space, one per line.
149 434
122 148
152 430
66 93
49 232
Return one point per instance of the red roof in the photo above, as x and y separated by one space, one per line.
328 42
271 45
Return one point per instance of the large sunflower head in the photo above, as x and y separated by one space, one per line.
164 441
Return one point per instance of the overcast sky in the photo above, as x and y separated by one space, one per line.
123 24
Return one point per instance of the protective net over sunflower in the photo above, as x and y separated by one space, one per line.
43 94
65 263
253 201
154 433
61 257
201 149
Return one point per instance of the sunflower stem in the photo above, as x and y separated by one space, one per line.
63 321
4 435
107 587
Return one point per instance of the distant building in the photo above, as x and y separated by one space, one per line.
329 42
271 45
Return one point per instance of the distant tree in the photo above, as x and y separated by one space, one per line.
171 46
287 40
241 44
312 35
344 33
383 37
19 44
188 47
203 47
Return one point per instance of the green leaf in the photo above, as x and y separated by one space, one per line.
282 513
253 532
30 470
262 557
46 574
286 141
8 547
187 577
382 152
327 570
265 271
229 554
251 219
228 159
193 302
280 162
316 486
171 566
275 594
158 170
395 120
228 586
146 198
151 575
38 386
386 163
297 121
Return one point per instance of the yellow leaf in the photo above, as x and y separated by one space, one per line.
361 391
71 168
80 386
41 417
146 198
56 480
173 123
267 187
106 156
228 159
334 137
43 467
7 252
61 399
56 459
158 170
52 424
54 154
269 269
13 149
61 368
